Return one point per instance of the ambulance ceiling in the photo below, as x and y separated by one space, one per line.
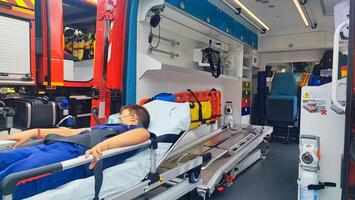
328 6
282 16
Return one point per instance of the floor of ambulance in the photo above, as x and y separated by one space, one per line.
271 179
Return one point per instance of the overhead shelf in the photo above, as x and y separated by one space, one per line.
165 67
247 68
247 56
256 67
197 72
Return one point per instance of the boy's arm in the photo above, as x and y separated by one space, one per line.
24 136
132 137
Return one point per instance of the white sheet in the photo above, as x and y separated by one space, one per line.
166 118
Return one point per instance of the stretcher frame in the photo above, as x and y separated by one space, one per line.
190 182
241 158
242 155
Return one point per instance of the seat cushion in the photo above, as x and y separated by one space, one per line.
282 108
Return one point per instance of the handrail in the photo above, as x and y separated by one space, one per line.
335 65
5 143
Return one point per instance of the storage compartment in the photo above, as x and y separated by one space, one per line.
246 85
246 102
246 111
32 112
79 39
81 110
15 49
246 94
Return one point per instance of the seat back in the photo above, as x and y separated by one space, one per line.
282 102
284 84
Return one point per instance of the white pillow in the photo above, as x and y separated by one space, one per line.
168 117
165 117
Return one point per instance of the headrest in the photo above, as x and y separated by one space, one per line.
165 117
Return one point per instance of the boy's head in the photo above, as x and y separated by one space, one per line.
134 115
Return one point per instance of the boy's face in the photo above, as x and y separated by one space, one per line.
128 117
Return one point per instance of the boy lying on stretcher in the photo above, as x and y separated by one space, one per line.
133 130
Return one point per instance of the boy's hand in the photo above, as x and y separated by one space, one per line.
96 152
20 138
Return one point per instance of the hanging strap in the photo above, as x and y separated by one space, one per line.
200 116
168 138
89 140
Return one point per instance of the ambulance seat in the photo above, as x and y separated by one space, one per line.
282 102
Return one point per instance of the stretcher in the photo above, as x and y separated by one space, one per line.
151 154
166 172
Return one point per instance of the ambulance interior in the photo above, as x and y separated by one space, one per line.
296 60
262 79
267 83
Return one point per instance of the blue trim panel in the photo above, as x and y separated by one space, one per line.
207 12
131 39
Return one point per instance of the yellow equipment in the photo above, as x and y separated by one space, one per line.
206 113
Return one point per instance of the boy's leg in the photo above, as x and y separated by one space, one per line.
38 157
8 157
51 154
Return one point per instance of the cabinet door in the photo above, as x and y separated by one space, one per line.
207 12
185 5
229 23
246 102
245 111
246 85
253 39
246 94
237 29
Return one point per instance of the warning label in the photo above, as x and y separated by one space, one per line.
306 95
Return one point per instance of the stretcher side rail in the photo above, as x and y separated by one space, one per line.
9 143
9 183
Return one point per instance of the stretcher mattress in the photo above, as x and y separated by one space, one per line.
166 118
116 179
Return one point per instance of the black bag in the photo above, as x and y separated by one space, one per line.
212 57
32 112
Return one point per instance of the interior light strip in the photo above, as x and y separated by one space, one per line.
247 10
301 12
237 12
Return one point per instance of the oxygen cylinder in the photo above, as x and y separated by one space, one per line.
75 44
81 45
308 177
75 48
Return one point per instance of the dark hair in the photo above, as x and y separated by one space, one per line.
141 112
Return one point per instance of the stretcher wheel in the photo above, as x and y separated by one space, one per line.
194 175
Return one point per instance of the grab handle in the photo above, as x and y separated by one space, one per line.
335 65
